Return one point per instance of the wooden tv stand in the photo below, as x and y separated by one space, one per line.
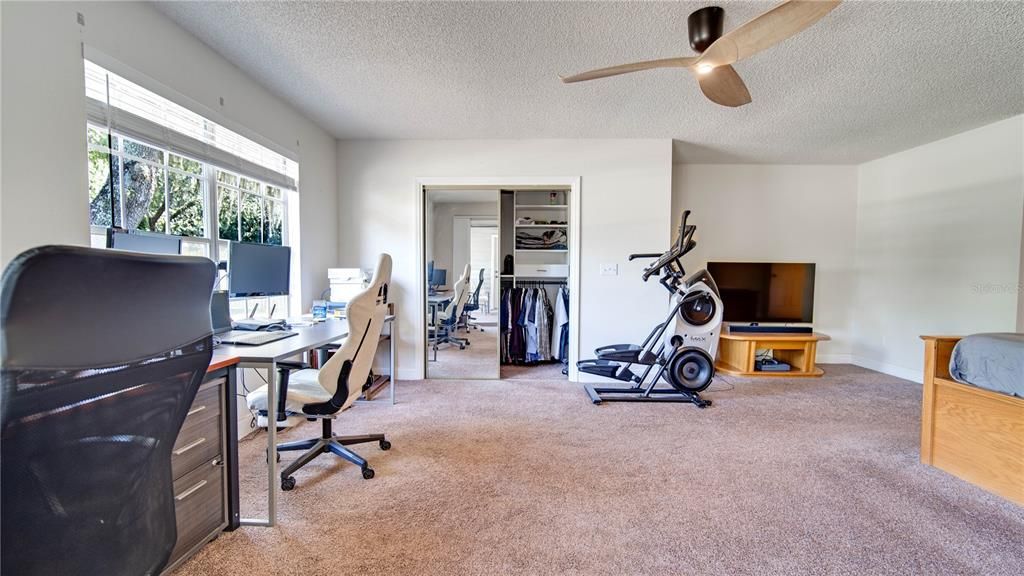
737 352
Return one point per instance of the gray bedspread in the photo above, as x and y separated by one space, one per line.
990 361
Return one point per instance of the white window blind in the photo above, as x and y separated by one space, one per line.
135 111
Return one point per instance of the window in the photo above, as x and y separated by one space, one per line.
248 211
156 166
137 186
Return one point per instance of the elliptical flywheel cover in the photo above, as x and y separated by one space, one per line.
699 311
691 371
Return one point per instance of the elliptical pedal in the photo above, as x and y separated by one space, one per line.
605 368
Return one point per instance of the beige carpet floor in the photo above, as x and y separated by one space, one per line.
477 361
817 476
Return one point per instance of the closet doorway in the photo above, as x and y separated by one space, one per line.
523 255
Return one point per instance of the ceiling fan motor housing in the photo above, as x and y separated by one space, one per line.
705 26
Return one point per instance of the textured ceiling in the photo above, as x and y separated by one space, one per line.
870 79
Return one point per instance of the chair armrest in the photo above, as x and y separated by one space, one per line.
284 369
289 365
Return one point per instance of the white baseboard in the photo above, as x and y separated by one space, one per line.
408 374
835 359
890 369
243 426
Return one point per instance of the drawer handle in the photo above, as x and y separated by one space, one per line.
196 410
190 491
184 449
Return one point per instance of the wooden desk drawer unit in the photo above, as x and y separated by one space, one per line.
198 507
199 440
197 465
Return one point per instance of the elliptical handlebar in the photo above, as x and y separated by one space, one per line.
644 255
683 244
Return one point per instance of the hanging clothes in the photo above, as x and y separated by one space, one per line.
560 326
543 321
529 333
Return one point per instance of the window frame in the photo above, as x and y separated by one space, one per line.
209 189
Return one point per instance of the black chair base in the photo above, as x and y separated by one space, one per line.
328 442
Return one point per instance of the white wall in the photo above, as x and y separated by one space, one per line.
626 197
938 244
1020 283
781 214
443 219
43 183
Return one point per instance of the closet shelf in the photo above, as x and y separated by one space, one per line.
543 251
541 206
542 225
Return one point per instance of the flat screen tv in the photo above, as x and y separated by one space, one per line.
781 292
258 269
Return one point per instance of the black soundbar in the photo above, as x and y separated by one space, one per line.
757 328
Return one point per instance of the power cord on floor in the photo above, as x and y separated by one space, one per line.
731 386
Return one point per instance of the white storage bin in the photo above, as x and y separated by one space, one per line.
543 270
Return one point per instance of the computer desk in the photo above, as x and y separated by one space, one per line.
267 356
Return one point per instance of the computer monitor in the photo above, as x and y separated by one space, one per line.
439 278
148 242
258 269
220 312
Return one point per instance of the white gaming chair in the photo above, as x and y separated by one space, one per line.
325 393
460 301
443 332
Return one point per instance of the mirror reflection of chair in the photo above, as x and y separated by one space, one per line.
443 331
473 304
327 392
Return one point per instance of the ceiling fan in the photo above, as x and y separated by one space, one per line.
717 78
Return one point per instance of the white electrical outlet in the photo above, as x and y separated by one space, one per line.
609 269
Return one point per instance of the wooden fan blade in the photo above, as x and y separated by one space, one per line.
724 86
627 68
766 30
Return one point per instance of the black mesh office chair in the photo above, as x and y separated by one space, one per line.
473 305
102 353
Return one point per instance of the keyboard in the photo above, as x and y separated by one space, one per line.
248 338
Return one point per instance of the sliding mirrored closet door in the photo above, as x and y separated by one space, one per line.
461 244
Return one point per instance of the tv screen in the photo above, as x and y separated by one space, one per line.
440 277
148 242
258 269
765 291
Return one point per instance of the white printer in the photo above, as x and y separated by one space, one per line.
345 283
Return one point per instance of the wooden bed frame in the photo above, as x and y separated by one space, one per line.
972 433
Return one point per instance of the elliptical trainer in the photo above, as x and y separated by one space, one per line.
685 356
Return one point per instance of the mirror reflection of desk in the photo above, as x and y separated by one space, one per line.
435 301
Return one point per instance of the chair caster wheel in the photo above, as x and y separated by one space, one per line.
367 473
287 484
385 445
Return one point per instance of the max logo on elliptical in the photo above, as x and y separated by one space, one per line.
699 338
